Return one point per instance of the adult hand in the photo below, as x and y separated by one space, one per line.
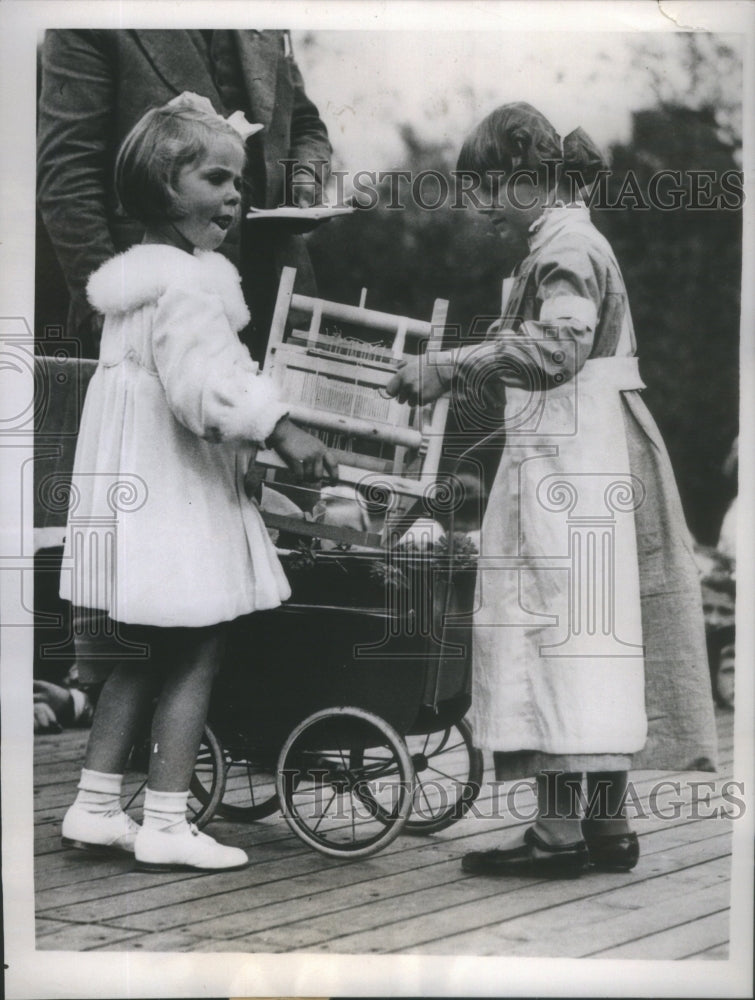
305 455
420 381
45 720
57 697
304 190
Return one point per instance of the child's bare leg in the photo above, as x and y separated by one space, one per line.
95 821
123 705
182 710
558 818
166 841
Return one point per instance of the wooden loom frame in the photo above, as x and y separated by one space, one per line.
284 355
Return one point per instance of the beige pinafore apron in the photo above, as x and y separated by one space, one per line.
558 656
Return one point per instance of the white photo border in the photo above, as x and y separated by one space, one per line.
30 974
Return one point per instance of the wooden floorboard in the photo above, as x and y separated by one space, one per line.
412 897
679 941
604 919
719 952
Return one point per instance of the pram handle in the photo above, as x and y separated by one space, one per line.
315 529
351 475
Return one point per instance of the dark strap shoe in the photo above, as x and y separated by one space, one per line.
533 857
613 852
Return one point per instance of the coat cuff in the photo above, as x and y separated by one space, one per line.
269 409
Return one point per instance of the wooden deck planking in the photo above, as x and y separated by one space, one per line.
577 927
341 889
679 941
411 897
405 855
530 895
717 952
475 905
229 912
84 937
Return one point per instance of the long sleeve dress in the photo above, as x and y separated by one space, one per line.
589 650
160 531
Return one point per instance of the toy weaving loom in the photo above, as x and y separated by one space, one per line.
332 361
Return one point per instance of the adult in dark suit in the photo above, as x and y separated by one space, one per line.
96 84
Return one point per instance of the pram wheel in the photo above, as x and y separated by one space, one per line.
207 781
345 782
449 771
250 793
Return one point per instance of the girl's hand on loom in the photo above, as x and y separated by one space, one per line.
305 455
421 380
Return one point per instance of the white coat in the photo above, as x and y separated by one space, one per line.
160 531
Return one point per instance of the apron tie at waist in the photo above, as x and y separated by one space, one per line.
604 374
621 374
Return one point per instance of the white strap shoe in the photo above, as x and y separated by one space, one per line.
165 851
99 833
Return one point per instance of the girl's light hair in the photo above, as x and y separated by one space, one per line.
150 158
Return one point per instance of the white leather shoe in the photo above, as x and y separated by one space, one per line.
164 851
100 833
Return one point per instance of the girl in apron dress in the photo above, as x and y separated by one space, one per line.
588 649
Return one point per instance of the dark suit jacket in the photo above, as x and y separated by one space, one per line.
96 84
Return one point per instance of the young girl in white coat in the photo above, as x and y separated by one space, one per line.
172 418
589 649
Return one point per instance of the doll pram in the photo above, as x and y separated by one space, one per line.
345 706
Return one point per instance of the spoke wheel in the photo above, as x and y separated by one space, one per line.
449 770
345 782
206 785
250 791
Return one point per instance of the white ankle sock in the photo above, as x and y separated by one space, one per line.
99 792
165 811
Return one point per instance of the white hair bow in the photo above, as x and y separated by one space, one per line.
237 120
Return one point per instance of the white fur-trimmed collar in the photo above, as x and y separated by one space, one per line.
146 271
